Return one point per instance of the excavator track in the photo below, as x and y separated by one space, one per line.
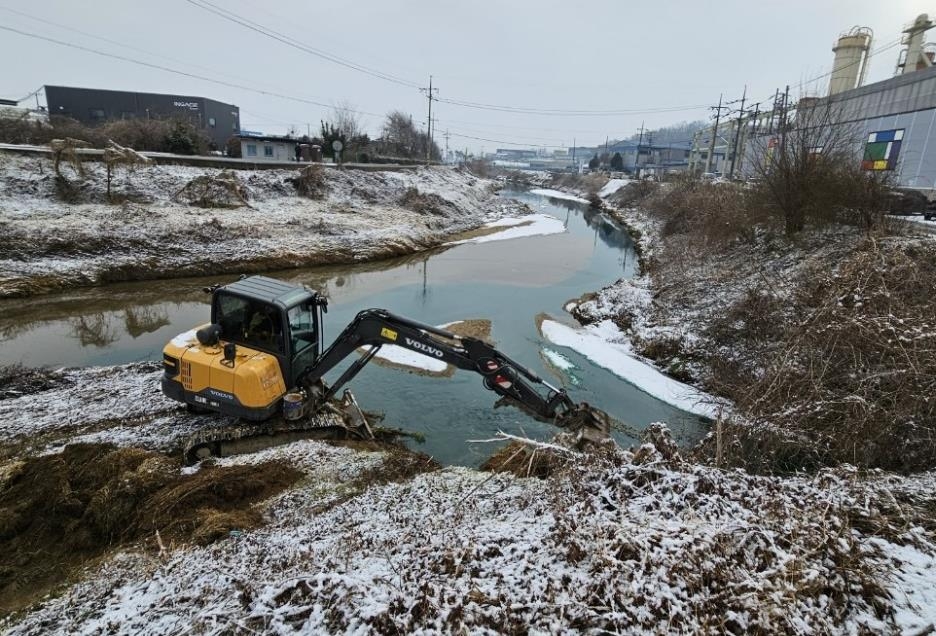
338 420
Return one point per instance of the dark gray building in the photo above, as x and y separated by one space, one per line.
220 121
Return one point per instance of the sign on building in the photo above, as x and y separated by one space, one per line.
882 150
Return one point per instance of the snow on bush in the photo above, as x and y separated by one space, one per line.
618 541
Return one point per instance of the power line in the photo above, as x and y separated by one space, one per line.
571 112
506 143
285 39
120 44
177 71
289 41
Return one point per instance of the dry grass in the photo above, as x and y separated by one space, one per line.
842 371
58 512
424 203
311 182
223 190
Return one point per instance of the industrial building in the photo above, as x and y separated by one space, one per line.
92 106
892 121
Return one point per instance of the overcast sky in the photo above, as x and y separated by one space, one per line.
563 55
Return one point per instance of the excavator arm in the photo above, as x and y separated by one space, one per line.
375 328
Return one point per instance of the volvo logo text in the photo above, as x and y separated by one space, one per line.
423 347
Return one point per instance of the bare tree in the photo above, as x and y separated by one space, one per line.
345 119
810 169
400 138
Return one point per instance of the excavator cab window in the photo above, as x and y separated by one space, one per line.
250 322
264 328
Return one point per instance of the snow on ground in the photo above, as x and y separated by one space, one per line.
623 542
363 216
612 186
558 194
605 345
531 225
122 404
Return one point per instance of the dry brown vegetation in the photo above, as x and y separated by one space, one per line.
828 342
590 183
60 511
311 182
844 371
222 190
156 135
424 203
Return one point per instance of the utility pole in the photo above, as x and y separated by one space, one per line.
776 100
637 154
783 120
430 93
718 109
734 153
446 135
573 153
753 133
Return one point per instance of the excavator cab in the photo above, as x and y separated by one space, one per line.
263 334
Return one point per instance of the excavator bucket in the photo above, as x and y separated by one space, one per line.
592 425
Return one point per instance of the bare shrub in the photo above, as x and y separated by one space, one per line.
156 135
223 190
311 182
852 378
424 203
709 213
66 149
116 156
810 173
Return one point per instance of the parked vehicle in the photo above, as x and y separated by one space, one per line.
906 202
930 212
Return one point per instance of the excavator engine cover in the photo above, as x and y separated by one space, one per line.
248 384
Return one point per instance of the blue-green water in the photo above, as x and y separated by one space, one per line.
508 282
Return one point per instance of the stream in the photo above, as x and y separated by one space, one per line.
508 282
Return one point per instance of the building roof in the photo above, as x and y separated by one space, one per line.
269 138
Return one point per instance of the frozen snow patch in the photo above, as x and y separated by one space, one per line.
557 194
612 186
185 339
532 225
597 343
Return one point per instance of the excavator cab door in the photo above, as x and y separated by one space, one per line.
305 335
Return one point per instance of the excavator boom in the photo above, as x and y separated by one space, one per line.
375 328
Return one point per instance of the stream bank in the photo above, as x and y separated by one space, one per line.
145 231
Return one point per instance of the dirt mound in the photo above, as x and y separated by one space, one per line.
426 203
58 512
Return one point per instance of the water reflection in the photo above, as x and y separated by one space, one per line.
93 330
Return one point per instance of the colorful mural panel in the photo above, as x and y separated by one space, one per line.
882 150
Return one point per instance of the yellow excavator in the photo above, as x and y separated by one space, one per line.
262 359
